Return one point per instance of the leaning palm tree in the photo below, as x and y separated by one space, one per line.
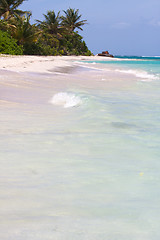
22 30
51 24
71 20
8 8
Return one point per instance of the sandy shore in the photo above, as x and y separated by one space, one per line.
68 143
22 77
40 64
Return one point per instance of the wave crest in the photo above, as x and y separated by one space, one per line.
67 100
139 74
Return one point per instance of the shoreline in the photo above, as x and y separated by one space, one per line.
67 71
26 79
41 64
66 135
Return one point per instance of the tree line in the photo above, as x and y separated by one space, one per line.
56 35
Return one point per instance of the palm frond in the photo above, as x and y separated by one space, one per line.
71 19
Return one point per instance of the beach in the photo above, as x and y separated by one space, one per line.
79 140
38 64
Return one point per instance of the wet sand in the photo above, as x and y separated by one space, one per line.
62 175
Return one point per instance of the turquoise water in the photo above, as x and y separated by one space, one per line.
149 64
80 156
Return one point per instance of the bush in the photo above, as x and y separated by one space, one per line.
8 45
39 49
73 44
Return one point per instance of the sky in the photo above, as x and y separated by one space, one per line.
123 27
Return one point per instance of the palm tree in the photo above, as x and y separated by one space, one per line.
51 24
8 8
71 19
22 30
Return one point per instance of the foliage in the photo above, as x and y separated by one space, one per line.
22 30
39 48
8 8
3 25
55 35
74 45
46 45
71 19
36 49
51 24
8 45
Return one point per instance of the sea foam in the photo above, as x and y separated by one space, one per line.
67 100
139 74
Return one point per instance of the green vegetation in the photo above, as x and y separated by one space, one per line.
8 45
71 20
55 35
8 8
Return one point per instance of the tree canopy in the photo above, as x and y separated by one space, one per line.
8 8
55 35
71 20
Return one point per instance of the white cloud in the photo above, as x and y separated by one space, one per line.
155 23
120 25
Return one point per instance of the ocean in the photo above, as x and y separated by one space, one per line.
80 155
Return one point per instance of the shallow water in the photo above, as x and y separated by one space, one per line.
83 172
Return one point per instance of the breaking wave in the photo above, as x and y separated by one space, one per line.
139 74
66 100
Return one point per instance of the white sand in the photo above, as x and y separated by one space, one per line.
40 64
58 174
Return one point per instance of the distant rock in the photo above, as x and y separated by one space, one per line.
105 54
